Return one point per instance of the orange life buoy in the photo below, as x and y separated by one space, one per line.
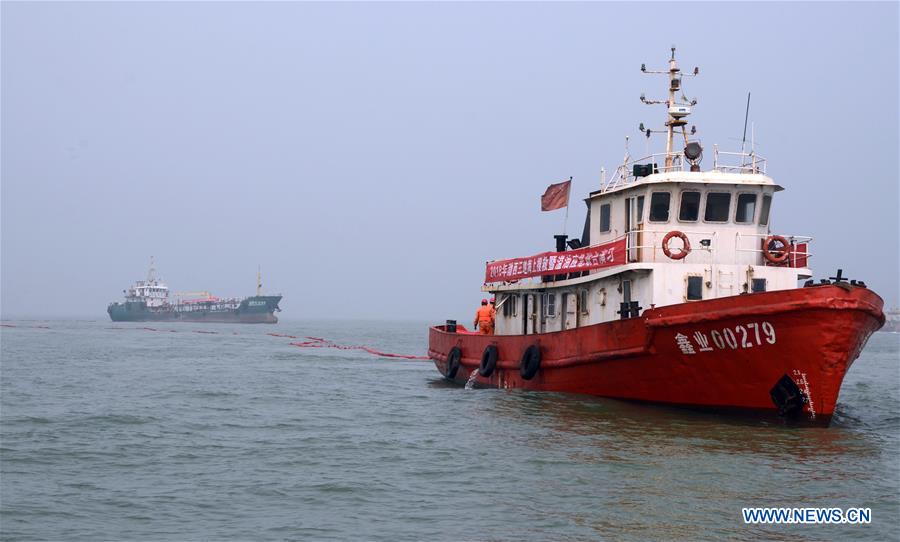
684 251
777 255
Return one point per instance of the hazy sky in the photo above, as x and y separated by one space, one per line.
371 157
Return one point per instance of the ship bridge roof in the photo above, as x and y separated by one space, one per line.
698 177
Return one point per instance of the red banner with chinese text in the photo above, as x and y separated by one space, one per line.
557 263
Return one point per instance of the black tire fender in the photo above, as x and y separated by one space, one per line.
453 358
531 362
488 361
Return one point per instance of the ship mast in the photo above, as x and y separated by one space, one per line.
677 111
151 274
258 280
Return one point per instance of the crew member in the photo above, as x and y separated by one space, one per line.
484 318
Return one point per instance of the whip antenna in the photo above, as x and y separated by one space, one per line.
746 116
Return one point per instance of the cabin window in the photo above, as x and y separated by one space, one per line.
717 204
694 288
583 301
659 207
626 291
549 304
764 210
690 206
604 217
640 209
757 285
746 208
509 305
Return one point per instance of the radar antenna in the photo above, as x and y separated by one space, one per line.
677 110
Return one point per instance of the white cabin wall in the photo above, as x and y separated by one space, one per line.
658 284
718 281
726 266
616 217
520 315
729 241
503 325
603 297
552 323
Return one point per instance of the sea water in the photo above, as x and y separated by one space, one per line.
117 432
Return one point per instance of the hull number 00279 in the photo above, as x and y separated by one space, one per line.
733 338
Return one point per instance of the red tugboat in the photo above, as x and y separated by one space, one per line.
679 292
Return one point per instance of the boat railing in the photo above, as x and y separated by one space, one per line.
738 162
646 245
706 247
799 248
639 241
624 174
724 161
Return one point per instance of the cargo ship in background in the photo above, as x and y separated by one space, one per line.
680 292
892 324
148 301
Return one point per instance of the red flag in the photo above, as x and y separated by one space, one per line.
556 196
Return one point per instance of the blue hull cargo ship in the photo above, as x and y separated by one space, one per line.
148 301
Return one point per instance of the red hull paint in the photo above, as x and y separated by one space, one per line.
811 334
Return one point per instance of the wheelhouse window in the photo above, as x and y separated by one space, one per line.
604 217
746 208
690 206
694 288
717 205
549 304
764 210
659 207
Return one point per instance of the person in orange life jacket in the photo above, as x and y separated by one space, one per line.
484 318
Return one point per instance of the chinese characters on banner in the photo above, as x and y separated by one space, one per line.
556 263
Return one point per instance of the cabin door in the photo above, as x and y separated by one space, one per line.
570 311
529 314
634 225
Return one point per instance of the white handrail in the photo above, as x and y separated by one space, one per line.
794 240
750 162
